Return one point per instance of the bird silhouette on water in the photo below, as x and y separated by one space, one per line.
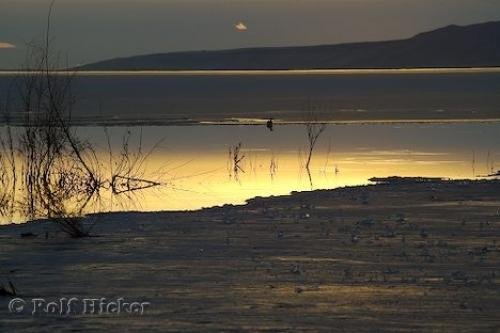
270 124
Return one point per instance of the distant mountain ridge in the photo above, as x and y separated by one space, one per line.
475 45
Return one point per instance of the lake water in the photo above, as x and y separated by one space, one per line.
195 170
347 95
193 166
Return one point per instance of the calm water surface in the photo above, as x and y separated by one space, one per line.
194 160
194 166
193 163
166 97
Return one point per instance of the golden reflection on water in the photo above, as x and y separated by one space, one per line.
205 179
195 169
192 181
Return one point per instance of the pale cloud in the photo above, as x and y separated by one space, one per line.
4 45
240 26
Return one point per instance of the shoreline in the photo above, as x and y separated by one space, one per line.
367 71
372 183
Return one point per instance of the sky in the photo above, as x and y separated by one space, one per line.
85 31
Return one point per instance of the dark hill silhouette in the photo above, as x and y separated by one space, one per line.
475 45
